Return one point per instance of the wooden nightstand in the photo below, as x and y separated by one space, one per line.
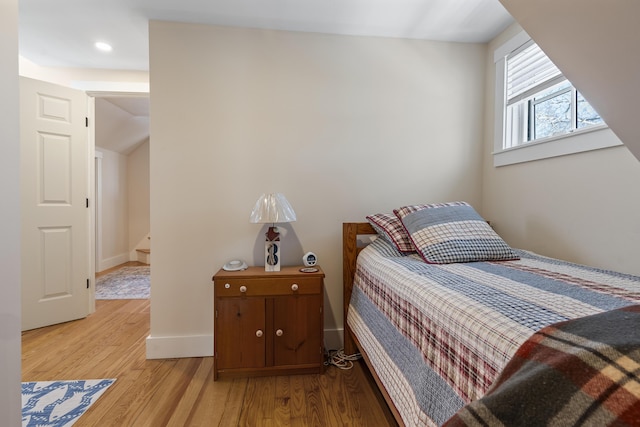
268 323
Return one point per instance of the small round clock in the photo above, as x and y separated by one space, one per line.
309 259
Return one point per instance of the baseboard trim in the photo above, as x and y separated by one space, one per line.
108 263
178 347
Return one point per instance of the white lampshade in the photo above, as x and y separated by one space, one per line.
272 208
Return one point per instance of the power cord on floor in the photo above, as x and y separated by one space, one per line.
340 360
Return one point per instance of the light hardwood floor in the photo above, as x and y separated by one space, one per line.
110 343
118 267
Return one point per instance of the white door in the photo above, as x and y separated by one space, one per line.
54 213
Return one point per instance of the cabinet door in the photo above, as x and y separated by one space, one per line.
240 333
297 328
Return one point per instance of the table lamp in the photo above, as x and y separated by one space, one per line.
271 209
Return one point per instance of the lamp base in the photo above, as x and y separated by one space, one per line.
272 250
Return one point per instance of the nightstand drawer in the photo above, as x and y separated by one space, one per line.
268 287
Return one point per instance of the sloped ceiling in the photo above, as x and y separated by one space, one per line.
595 44
122 124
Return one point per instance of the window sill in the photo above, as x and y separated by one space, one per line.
579 141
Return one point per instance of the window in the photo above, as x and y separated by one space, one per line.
536 105
541 102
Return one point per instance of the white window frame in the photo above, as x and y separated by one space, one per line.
580 140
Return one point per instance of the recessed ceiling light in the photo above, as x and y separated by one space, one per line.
105 47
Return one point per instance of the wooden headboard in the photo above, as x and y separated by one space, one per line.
350 251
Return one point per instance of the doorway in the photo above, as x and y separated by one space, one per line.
122 223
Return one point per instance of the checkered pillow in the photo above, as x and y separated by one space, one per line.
452 232
389 227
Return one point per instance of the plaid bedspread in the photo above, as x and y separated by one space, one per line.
579 372
438 336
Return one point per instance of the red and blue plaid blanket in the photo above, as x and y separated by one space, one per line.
581 372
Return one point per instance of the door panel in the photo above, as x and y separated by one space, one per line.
54 188
298 319
238 342
55 168
56 272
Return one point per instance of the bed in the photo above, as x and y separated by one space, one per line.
440 338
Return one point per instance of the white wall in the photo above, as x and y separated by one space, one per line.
582 207
343 126
10 343
114 207
138 195
124 205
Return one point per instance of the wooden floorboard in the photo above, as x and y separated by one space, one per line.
110 343
119 266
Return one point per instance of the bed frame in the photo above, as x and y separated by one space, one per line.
350 251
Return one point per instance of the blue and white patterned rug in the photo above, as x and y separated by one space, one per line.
125 283
59 403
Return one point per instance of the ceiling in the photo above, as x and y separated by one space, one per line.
136 106
62 33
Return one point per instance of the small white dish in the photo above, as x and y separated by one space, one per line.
235 265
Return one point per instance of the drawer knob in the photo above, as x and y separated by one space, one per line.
279 332
227 286
243 288
294 287
258 333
